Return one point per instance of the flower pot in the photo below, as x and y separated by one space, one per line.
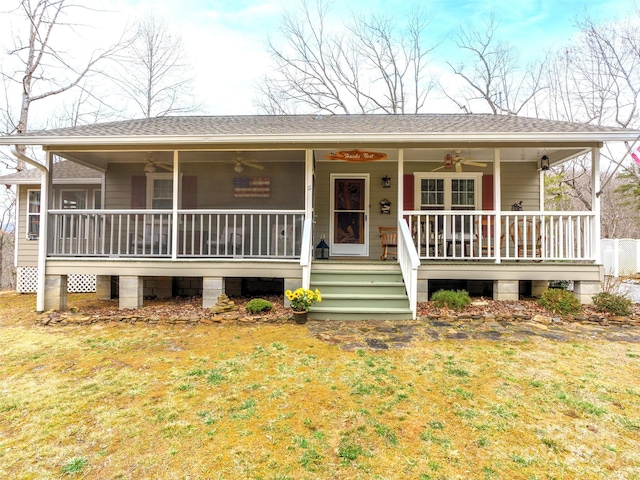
300 317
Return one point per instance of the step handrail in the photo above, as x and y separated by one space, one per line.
306 254
409 263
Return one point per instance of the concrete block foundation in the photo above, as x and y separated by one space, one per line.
131 289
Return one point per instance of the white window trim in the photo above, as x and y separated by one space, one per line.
151 177
419 176
28 235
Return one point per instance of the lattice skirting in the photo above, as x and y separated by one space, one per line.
27 281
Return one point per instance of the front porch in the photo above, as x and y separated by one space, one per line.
217 245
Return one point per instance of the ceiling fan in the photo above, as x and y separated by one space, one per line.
456 161
240 163
152 165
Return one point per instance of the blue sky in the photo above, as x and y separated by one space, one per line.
225 39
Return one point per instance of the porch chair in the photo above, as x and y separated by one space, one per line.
388 239
526 237
431 236
154 241
230 242
485 237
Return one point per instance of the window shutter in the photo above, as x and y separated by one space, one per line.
189 192
407 192
487 192
138 192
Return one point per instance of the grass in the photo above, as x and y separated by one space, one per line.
271 402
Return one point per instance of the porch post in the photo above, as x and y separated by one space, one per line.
45 189
174 213
400 183
497 205
308 181
595 201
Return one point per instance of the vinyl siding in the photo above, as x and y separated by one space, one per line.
215 185
28 249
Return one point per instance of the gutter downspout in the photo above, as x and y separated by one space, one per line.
45 181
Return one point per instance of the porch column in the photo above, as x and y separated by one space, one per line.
45 193
130 292
212 288
584 290
174 216
103 287
595 202
400 183
506 290
497 204
55 292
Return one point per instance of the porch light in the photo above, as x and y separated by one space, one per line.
322 250
386 182
544 163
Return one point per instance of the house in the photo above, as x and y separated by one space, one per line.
204 203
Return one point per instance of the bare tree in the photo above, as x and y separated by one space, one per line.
41 66
597 80
153 72
492 75
370 66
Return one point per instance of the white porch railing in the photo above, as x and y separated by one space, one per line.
201 233
497 236
409 264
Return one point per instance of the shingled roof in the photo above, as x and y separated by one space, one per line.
63 172
304 127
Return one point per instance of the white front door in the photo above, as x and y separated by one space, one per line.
349 215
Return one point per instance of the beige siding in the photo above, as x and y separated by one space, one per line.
28 249
520 181
118 184
215 185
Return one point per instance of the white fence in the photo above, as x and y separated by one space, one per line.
620 256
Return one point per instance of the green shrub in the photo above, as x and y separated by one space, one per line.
611 303
560 301
258 305
454 299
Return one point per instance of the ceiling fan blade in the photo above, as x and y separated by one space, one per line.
475 164
439 168
458 167
164 166
253 165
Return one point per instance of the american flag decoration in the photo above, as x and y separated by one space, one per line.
251 187
635 154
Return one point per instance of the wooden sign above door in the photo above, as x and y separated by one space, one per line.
356 156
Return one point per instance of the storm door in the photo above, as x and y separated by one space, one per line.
349 215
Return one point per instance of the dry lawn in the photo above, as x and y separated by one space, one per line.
113 401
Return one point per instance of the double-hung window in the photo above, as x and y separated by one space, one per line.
33 214
160 191
449 191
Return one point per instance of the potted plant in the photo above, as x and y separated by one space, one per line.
301 299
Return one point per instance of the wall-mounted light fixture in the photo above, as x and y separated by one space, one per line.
544 162
322 250
386 182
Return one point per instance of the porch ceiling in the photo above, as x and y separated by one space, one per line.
102 158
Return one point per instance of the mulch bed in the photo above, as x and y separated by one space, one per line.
189 310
